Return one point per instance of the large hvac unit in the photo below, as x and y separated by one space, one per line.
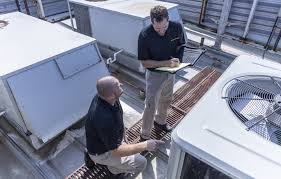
117 23
234 131
47 76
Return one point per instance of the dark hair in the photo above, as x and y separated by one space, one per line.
159 13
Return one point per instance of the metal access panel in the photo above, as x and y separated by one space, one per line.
47 84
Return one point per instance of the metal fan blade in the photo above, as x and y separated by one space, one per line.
263 118
265 99
255 87
275 82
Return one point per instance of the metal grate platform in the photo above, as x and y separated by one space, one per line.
99 172
184 99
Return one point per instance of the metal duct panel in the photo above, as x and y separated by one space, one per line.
262 23
260 27
51 7
44 98
7 6
190 11
82 19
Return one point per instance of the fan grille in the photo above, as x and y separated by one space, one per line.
256 101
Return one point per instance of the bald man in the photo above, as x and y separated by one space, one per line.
105 132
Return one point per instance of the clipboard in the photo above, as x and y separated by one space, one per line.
187 62
174 69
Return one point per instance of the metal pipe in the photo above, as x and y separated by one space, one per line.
250 18
223 22
272 31
40 9
110 60
202 42
18 5
70 15
26 7
271 34
279 36
277 41
203 11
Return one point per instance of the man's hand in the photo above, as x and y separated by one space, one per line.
174 62
151 145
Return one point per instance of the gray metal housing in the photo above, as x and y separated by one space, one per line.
47 81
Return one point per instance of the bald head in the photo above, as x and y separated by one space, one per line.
106 86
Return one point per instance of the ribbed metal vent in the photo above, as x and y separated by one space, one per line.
256 100
184 99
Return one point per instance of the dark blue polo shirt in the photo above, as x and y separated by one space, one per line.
155 47
104 126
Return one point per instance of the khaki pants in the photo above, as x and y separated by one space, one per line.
129 164
159 93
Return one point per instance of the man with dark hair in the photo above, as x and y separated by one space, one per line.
105 132
159 46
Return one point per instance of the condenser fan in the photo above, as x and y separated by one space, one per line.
256 101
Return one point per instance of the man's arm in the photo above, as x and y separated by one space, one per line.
111 141
182 41
131 149
156 64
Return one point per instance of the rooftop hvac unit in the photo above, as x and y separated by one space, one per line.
117 23
47 76
234 131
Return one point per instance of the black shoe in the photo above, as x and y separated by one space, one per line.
164 127
90 164
142 139
119 176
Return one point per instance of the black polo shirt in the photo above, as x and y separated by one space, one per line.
104 126
152 46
